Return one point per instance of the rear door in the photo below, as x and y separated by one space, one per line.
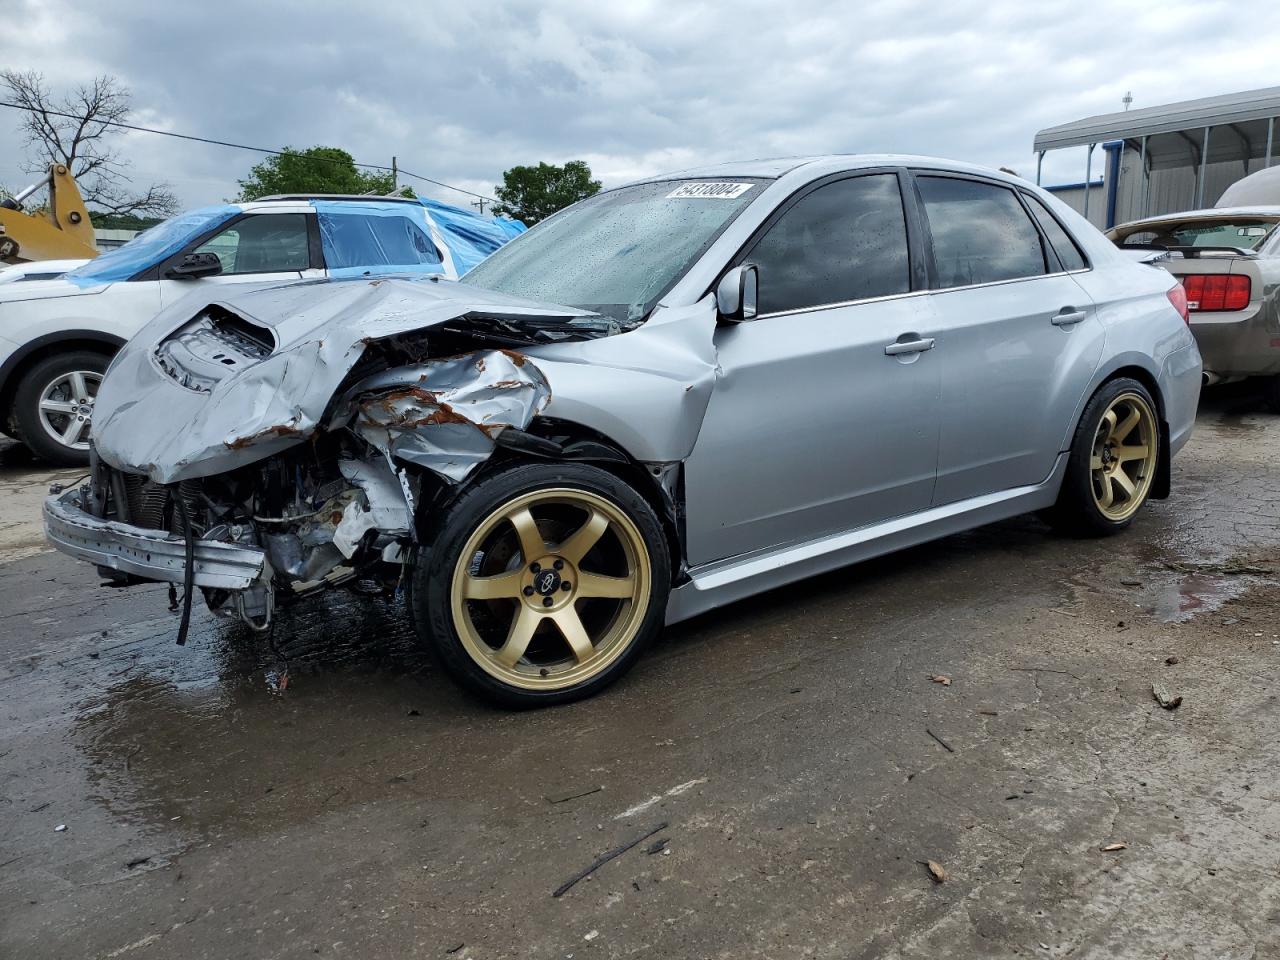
825 414
1018 339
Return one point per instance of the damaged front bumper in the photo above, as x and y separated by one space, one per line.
147 554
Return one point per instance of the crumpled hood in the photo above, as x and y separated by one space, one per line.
226 379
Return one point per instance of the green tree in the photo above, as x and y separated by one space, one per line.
314 170
535 193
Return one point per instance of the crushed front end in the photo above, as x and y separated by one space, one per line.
263 448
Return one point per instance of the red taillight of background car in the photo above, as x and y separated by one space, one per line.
1217 291
1178 297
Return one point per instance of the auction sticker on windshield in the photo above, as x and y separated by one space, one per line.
710 191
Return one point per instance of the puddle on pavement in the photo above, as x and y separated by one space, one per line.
1185 597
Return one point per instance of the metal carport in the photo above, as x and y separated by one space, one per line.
1190 151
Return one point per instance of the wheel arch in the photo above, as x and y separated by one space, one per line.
32 352
579 443
1134 370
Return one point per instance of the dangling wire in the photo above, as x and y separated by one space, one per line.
188 568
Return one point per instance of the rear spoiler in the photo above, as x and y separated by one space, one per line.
1188 253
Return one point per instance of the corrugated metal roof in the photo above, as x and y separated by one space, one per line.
1170 118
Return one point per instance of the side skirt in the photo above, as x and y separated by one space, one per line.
726 581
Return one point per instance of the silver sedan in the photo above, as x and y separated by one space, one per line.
664 398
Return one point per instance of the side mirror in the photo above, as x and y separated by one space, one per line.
195 265
736 294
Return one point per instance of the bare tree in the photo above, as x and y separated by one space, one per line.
76 131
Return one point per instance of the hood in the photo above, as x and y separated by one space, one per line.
220 381
45 290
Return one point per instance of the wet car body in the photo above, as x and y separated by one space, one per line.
1237 244
278 441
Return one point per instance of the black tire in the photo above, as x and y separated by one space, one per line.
436 564
1271 392
26 404
1076 511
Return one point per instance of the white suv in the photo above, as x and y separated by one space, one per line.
57 336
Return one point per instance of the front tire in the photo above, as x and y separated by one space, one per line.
53 406
1113 462
543 584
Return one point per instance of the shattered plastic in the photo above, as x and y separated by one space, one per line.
150 247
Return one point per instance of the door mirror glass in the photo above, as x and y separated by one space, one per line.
737 294
195 265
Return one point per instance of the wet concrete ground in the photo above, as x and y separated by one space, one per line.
802 760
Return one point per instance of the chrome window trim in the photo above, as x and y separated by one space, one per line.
919 293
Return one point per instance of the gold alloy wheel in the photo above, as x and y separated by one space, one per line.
550 589
1125 452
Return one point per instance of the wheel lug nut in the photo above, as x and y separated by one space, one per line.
547 601
566 586
528 591
559 564
535 567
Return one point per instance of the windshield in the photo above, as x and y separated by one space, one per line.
1243 233
151 246
616 253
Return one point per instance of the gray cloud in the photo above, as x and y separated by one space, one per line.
459 93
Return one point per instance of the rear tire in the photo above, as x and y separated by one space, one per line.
527 631
1113 463
50 405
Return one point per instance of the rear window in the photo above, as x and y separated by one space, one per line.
1237 232
980 232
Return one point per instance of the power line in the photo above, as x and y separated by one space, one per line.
240 146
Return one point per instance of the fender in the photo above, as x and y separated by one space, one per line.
61 336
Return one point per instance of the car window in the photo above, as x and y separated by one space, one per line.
1068 252
981 234
844 241
367 240
262 243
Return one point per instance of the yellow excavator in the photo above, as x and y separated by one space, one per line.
61 231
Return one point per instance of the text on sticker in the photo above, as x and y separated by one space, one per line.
710 191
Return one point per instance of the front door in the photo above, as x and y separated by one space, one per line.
825 414
257 246
1018 339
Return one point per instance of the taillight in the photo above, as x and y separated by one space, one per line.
1178 297
1217 291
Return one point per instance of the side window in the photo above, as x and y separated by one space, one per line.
1066 249
359 240
262 243
981 234
844 241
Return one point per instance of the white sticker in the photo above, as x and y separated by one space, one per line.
710 191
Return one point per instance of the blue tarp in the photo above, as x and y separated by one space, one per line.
360 237
470 236
150 247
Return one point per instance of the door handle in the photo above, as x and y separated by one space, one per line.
900 347
1066 317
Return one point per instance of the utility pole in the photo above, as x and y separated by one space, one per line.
479 203
1127 99
395 175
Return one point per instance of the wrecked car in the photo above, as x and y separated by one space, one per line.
666 397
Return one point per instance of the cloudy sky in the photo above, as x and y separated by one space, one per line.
461 91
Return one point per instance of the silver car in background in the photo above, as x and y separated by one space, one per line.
1228 260
666 397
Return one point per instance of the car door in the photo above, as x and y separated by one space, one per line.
1018 339
252 247
825 413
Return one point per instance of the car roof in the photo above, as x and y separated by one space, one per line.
776 167
355 197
